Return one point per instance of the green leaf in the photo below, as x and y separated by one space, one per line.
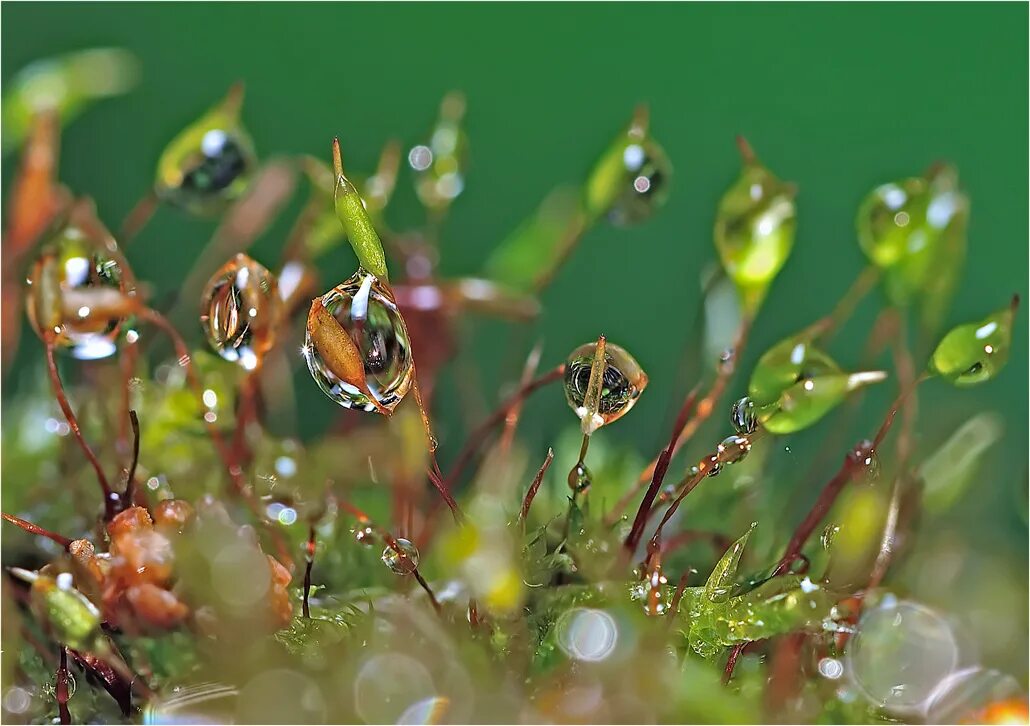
948 472
808 400
720 582
975 352
754 229
783 365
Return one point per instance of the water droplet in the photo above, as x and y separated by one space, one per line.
50 688
733 449
644 188
364 535
714 469
79 267
623 380
402 559
580 478
865 458
209 164
744 417
365 311
241 310
829 533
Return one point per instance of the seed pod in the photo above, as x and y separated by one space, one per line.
209 164
355 220
631 179
975 352
73 620
754 228
440 165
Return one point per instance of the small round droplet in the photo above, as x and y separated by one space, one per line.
365 311
714 469
580 478
240 311
623 380
743 416
50 688
864 457
364 535
733 449
402 559
80 288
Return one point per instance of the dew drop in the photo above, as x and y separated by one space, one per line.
402 559
240 311
733 449
78 269
743 416
623 381
364 535
829 534
365 310
580 478
644 187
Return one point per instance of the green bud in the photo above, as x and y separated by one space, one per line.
630 180
73 620
67 84
785 364
794 384
355 220
440 165
975 352
754 228
915 230
209 164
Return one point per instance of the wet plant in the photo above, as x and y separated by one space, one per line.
383 572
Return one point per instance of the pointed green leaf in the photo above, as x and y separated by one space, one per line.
720 582
355 220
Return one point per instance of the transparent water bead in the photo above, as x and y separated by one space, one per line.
902 651
580 478
363 310
404 561
645 187
241 310
743 416
733 449
623 381
80 288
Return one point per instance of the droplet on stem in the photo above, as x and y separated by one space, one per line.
241 310
80 289
622 383
357 347
580 478
743 416
401 558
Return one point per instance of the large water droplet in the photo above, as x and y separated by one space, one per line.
623 380
402 559
580 478
733 449
240 311
743 416
80 287
366 312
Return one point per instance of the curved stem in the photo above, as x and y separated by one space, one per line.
73 423
138 217
534 488
130 482
36 529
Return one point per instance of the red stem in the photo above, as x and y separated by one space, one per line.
62 688
534 487
36 529
73 423
310 552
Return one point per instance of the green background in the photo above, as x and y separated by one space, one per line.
835 97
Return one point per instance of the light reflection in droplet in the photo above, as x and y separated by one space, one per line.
587 634
901 652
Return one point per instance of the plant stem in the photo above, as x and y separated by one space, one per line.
534 487
36 529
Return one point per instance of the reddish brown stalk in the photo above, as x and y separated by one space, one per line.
73 423
825 327
658 474
36 529
441 487
688 427
731 662
247 414
127 361
309 552
61 691
479 435
511 420
719 542
681 586
234 470
534 487
785 680
392 543
138 217
130 481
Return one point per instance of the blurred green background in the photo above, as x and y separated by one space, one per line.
835 97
